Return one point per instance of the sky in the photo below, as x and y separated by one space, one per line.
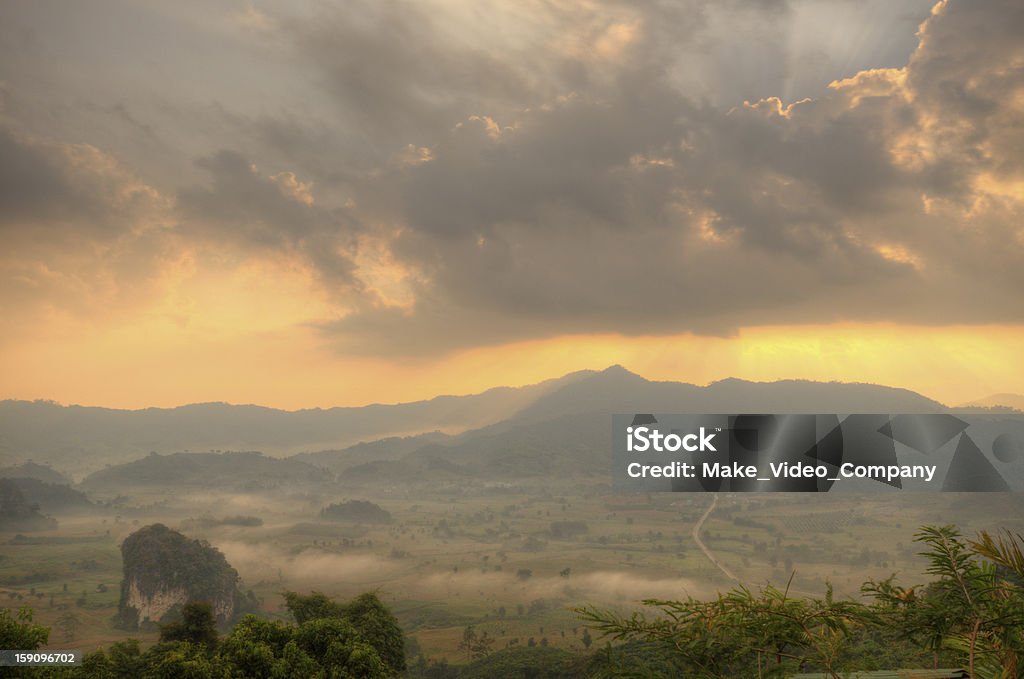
304 204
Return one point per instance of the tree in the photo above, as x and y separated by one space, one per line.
971 609
742 633
197 626
68 624
339 649
311 606
366 613
379 628
123 660
468 637
19 632
1004 550
970 615
476 645
182 660
257 648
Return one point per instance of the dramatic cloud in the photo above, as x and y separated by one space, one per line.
274 215
445 176
895 195
81 232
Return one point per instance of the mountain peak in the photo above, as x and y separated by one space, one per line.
617 369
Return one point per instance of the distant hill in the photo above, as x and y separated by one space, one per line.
1014 401
565 433
572 445
424 464
223 471
92 437
52 498
617 390
389 448
574 416
17 513
31 470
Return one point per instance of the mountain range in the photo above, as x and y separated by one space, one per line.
79 440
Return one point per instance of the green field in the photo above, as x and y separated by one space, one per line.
488 557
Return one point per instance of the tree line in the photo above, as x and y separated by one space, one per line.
970 615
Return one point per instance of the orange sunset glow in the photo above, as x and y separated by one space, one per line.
291 368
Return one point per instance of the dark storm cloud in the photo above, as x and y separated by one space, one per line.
628 209
38 185
394 72
28 178
274 214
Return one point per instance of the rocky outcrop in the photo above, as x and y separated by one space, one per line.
164 570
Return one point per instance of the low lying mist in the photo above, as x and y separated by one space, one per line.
311 568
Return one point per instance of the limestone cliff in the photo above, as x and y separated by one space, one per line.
164 570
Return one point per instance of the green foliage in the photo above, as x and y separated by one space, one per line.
359 640
379 628
197 626
311 606
742 633
376 625
476 645
19 632
123 660
538 662
433 669
631 659
340 648
1003 550
970 615
179 660
254 648
971 609
98 666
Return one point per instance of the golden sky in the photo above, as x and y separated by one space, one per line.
165 365
302 205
